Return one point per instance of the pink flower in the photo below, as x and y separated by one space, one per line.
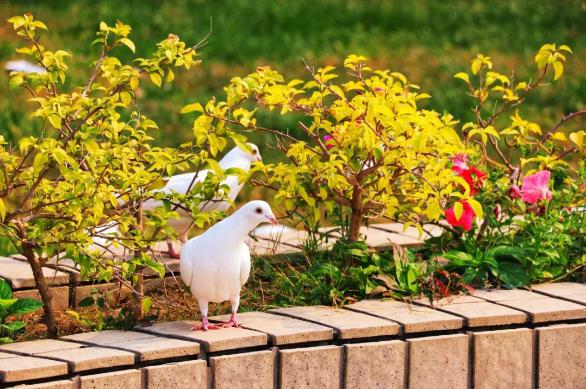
460 163
535 187
329 141
465 220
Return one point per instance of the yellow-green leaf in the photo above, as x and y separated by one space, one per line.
558 70
463 76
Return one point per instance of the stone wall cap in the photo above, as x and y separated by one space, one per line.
213 340
20 275
414 318
282 329
346 324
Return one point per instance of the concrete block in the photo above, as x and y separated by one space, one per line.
20 275
414 318
375 365
503 359
478 312
438 362
91 358
212 341
312 367
572 291
254 370
60 297
125 379
562 356
147 347
188 375
21 368
281 329
62 384
346 324
39 346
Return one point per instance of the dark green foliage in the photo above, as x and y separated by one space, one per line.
10 308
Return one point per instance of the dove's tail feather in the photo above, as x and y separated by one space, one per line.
185 267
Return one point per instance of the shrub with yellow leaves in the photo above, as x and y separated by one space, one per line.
366 148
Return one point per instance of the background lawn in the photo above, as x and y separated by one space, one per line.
428 41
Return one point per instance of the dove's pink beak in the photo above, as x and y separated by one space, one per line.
272 219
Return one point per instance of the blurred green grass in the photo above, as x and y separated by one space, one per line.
429 41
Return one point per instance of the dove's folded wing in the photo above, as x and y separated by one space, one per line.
245 265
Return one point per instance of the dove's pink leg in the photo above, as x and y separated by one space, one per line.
205 324
233 322
171 250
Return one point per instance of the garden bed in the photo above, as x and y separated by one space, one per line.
513 338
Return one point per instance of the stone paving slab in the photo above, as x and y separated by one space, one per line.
125 379
540 308
380 239
244 370
346 324
281 329
477 312
313 367
62 384
413 318
20 275
562 356
429 230
438 362
567 290
91 358
147 347
39 346
262 248
60 296
179 375
213 340
503 359
20 368
375 365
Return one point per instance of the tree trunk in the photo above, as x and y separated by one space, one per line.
44 291
357 215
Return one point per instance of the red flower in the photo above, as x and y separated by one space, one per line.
471 175
474 178
515 192
465 220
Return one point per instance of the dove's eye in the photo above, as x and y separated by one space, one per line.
259 210
254 151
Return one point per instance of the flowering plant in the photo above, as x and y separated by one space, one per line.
522 217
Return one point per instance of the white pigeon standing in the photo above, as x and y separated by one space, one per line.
215 264
181 183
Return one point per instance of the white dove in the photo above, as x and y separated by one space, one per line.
215 264
181 183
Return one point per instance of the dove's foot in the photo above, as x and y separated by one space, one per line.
205 326
171 251
231 323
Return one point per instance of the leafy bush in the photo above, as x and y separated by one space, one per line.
366 148
527 223
10 308
94 163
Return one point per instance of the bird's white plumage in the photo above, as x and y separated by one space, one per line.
215 264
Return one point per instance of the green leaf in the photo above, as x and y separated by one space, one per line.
86 302
13 326
5 340
128 43
2 210
558 70
192 107
156 79
513 274
5 290
25 305
147 302
7 303
463 76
